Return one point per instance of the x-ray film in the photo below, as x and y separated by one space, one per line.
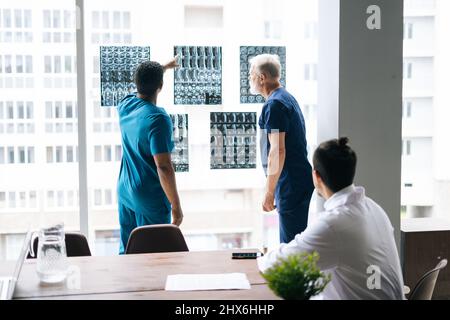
180 155
198 80
117 66
246 53
233 140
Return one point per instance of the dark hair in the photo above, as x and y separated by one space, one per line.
335 162
148 77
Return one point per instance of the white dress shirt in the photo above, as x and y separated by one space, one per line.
353 237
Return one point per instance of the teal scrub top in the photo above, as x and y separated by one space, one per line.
146 131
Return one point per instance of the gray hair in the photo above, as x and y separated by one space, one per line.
269 64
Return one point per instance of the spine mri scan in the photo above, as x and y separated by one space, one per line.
233 140
180 154
198 80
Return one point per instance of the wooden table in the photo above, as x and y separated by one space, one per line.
143 277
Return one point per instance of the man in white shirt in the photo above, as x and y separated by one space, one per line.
353 236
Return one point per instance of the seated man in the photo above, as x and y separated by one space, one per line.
353 236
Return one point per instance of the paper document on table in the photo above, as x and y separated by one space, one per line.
192 282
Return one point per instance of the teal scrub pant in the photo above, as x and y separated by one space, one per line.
130 219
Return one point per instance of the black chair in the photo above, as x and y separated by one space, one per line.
425 286
76 245
156 238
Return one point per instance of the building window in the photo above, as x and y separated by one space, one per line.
408 31
406 147
407 70
407 109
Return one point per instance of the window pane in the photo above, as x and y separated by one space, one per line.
56 19
47 19
29 64
27 19
68 64
18 18
11 155
70 154
57 64
7 18
33 155
19 64
59 154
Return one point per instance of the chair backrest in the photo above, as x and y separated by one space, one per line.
76 245
425 286
156 238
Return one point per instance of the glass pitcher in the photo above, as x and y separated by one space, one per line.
52 264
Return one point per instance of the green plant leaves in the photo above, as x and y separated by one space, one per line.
297 277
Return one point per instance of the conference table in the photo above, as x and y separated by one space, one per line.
143 276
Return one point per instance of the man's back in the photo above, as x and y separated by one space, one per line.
145 130
368 265
356 244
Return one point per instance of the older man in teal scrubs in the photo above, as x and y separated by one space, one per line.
147 190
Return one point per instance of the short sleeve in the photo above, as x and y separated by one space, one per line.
160 135
276 117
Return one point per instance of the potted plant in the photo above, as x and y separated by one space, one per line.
297 277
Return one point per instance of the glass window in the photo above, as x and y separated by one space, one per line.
98 197
68 64
47 64
10 109
105 19
12 199
108 197
30 154
107 153
19 64
98 153
2 155
20 110
58 110
57 65
118 153
50 198
70 154
30 110
27 19
67 19
47 19
69 110
7 18
22 199
33 199
56 19
49 154
21 154
28 64
2 199
117 20
11 155
59 154
8 64
126 20
18 18
95 19
48 110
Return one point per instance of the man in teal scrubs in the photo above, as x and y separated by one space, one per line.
147 190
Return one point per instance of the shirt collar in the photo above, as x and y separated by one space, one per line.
345 196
